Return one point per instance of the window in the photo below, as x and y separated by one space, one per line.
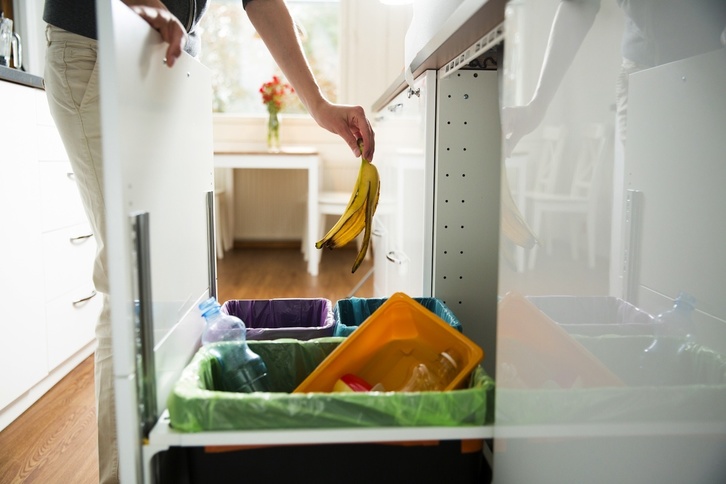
240 62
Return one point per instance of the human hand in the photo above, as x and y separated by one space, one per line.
517 122
348 122
171 30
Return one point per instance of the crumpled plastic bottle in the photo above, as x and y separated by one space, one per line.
434 376
678 321
674 331
241 369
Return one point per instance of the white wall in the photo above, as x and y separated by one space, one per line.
372 40
269 204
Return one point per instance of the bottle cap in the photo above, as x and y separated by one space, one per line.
209 307
685 298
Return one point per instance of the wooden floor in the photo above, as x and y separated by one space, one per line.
55 440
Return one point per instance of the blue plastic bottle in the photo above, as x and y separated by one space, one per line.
220 326
240 368
674 331
677 321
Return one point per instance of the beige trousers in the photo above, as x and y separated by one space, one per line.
71 82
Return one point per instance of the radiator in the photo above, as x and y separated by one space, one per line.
269 204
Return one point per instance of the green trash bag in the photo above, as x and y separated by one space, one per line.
194 404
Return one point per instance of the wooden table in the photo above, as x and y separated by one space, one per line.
300 158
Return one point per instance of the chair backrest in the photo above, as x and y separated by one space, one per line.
550 158
589 159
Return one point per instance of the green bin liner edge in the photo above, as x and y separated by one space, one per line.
194 405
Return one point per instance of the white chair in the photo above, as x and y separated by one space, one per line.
222 214
581 199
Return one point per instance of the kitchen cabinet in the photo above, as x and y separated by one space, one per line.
47 257
23 343
404 156
572 404
69 248
554 421
437 225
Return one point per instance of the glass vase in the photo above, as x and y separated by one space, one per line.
273 132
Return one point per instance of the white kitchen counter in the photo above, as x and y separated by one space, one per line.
19 77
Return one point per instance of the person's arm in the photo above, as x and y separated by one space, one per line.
571 23
275 26
163 21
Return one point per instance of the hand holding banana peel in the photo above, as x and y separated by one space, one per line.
358 213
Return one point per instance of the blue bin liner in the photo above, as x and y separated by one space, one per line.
350 313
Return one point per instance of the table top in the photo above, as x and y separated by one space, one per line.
295 158
285 151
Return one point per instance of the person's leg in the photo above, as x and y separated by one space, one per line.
71 80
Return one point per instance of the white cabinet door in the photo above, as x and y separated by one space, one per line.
22 326
166 175
404 156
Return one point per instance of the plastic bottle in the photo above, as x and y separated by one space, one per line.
674 330
241 369
220 326
434 376
677 321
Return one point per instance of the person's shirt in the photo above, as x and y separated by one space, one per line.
79 17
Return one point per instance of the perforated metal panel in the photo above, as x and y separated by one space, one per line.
466 203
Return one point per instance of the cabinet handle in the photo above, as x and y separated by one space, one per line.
395 107
71 176
82 300
80 238
397 257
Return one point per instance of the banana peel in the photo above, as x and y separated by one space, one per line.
514 229
358 214
513 226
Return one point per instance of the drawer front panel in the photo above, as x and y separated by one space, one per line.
68 256
71 320
51 148
60 200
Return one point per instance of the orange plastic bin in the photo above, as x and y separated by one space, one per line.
385 348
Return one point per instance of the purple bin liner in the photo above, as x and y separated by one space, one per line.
268 319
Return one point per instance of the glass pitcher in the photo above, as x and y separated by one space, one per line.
6 40
9 44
